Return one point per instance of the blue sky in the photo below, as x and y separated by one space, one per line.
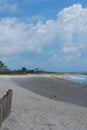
48 34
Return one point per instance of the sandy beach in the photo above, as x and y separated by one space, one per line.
32 110
55 87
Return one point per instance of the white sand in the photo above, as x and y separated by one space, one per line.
33 112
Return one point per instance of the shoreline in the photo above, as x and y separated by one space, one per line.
55 88
56 76
43 74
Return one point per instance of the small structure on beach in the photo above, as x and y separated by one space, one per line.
5 105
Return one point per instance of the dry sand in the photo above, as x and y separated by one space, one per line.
31 111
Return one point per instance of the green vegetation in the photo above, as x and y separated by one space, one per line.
5 70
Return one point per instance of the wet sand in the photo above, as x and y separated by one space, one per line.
55 88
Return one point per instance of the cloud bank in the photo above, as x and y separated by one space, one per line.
67 32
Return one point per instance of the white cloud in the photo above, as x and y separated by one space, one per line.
70 49
68 31
17 36
8 7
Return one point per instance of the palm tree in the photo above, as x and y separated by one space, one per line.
1 66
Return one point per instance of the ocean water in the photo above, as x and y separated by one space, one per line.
78 78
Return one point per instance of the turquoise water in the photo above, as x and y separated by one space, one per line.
78 78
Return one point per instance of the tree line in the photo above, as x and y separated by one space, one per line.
5 70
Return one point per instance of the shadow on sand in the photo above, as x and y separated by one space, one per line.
56 89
